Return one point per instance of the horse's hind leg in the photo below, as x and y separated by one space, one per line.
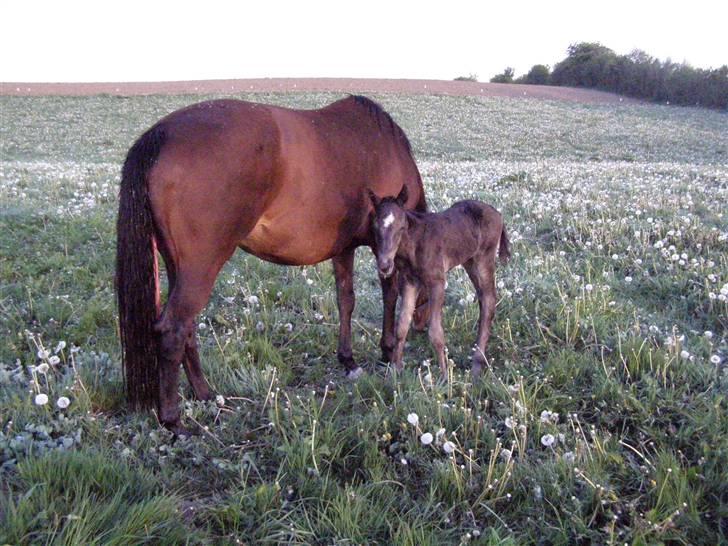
191 360
193 368
481 270
176 328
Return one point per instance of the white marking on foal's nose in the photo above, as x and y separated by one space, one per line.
387 220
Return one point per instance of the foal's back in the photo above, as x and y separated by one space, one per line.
466 229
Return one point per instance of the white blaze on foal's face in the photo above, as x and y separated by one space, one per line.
387 220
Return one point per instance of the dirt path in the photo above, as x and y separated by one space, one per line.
407 87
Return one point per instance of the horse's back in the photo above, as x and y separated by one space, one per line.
286 185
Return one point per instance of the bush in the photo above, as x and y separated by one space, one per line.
468 78
538 75
505 77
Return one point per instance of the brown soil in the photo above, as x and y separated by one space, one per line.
405 87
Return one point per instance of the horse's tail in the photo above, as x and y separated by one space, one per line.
504 249
137 273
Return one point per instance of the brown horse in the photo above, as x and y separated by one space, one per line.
424 247
288 186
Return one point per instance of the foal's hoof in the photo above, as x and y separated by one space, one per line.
355 373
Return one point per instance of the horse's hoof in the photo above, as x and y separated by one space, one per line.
178 430
355 373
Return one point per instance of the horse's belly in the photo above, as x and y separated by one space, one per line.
289 244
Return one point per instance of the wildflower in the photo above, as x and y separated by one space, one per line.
510 422
548 440
589 288
708 334
41 399
448 447
615 256
413 419
628 279
318 316
63 402
715 359
426 439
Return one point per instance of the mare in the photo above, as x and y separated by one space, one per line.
289 186
422 247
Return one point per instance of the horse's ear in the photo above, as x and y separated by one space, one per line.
373 198
402 197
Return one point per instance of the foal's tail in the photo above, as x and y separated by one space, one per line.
137 273
504 250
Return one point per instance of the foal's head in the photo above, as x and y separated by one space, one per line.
389 224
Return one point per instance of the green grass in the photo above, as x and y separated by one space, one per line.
601 420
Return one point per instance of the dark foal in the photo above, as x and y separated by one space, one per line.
424 247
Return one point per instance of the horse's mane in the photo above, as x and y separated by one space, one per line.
384 120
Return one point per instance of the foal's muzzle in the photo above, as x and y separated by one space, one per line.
386 267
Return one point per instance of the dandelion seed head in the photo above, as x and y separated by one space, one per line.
63 402
41 399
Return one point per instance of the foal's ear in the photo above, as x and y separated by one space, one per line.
373 198
402 197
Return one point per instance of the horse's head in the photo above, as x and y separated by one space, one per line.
390 223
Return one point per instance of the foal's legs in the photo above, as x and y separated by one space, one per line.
389 299
481 270
406 308
435 331
345 298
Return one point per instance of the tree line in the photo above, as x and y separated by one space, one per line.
637 75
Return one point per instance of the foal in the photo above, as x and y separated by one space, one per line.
424 247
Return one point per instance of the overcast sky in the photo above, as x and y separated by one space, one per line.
131 40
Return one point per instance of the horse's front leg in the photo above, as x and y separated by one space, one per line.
345 299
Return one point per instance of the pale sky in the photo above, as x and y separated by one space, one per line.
132 40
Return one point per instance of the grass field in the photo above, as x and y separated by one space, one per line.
602 419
